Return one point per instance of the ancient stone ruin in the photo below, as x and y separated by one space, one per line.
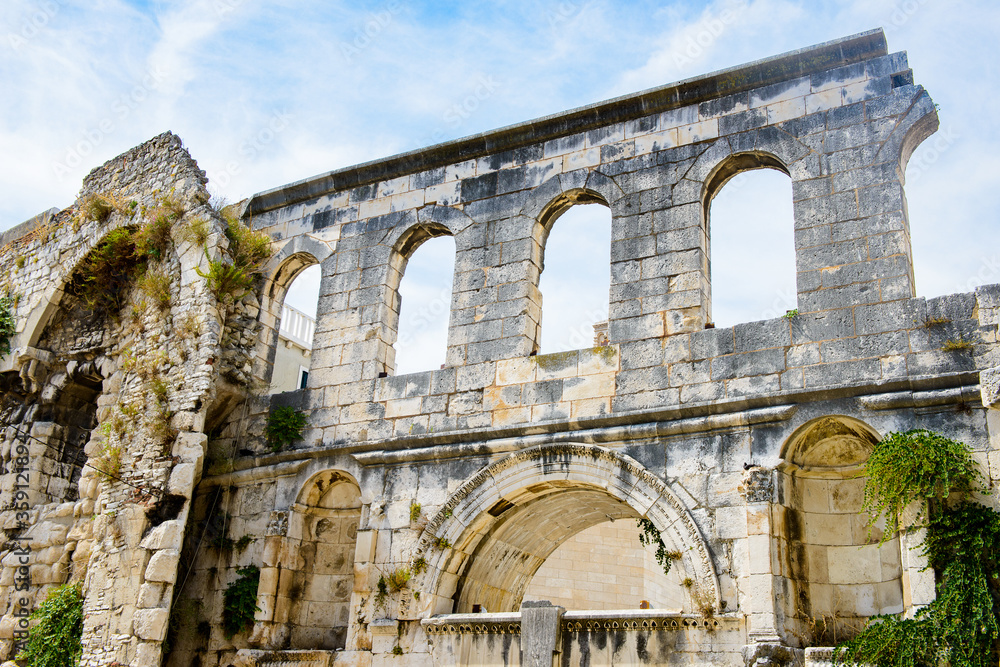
407 523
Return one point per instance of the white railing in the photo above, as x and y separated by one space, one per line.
297 327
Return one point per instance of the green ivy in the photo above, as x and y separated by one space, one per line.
651 536
917 465
284 426
960 628
239 602
55 640
7 324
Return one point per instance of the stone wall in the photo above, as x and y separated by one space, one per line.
122 387
432 494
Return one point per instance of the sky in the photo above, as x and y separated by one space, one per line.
264 93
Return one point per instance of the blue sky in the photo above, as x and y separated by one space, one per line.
264 93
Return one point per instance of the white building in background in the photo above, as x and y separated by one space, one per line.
291 357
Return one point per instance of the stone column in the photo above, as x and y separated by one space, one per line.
541 623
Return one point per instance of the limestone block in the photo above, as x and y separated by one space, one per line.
149 596
182 479
147 654
150 623
163 566
47 534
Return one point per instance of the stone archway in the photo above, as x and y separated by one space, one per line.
494 532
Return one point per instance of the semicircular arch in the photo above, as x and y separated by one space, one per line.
521 507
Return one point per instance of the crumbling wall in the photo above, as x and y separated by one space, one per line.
108 399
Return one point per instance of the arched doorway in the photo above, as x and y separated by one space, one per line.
494 533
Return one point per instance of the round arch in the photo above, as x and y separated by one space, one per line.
497 529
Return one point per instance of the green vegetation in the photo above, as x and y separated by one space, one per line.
230 277
414 512
397 579
284 426
55 640
239 602
789 314
960 628
954 345
651 536
7 324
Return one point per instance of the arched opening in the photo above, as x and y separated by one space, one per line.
575 279
297 324
504 523
424 269
751 229
294 296
604 568
839 574
323 531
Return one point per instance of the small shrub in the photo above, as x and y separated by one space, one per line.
398 579
107 271
109 463
284 426
241 544
442 543
98 206
916 465
419 565
227 282
8 325
414 512
397 650
789 314
55 640
239 602
954 345
156 286
153 238
20 261
196 231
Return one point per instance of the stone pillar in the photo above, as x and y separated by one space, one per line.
758 490
541 623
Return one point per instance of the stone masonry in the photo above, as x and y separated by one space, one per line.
414 502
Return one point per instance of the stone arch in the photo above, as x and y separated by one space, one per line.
920 122
405 243
732 165
579 187
498 529
298 254
838 572
308 603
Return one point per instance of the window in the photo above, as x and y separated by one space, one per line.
752 248
576 277
425 306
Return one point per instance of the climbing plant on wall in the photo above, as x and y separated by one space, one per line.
54 641
960 628
7 328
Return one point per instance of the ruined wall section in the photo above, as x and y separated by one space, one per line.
843 136
125 392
